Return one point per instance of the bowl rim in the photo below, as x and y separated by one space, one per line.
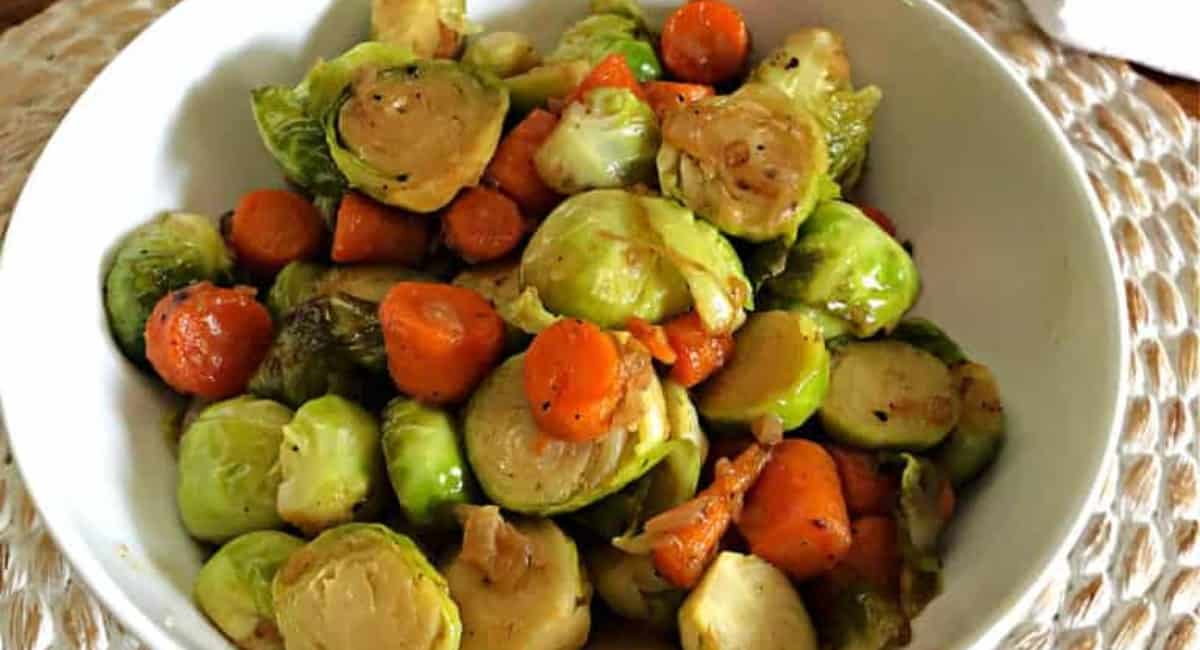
997 624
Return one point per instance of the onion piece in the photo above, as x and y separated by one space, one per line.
767 429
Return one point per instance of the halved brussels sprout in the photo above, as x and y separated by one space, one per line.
923 334
296 139
504 54
332 466
229 468
610 139
500 283
630 9
674 480
920 525
519 585
525 471
536 87
410 133
857 616
812 68
977 439
610 255
631 587
748 163
365 587
597 36
169 253
848 268
780 369
233 588
424 462
293 285
429 28
299 282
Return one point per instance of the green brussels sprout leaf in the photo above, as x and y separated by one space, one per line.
599 35
920 526
297 140
923 334
425 463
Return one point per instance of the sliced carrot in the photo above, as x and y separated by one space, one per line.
868 490
612 72
880 218
205 340
512 168
666 96
271 228
682 554
705 42
441 340
873 556
368 231
654 338
795 515
483 225
699 353
573 380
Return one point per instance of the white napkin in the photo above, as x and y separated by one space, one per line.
1161 34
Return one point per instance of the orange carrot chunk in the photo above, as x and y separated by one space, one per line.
682 553
512 169
573 380
795 515
441 340
205 340
271 228
699 354
654 338
612 72
483 225
873 556
368 231
705 42
666 96
868 490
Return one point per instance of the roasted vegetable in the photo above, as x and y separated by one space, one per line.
631 587
295 137
333 469
294 284
233 588
599 35
860 616
921 519
229 469
429 28
675 480
923 334
977 439
424 462
504 54
173 251
536 87
365 587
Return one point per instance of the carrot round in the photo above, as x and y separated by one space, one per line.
612 72
368 231
868 490
483 225
682 554
705 42
874 555
440 339
205 340
666 96
512 168
272 228
699 354
795 515
573 380
654 338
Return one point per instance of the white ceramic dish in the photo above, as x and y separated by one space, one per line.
1007 236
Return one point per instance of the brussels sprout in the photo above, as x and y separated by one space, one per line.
744 602
608 140
609 255
229 468
848 267
889 395
920 525
365 587
618 514
674 480
859 617
424 462
597 36
781 369
543 83
811 67
410 133
519 585
631 587
169 253
296 139
367 282
977 439
923 334
333 470
524 471
500 283
233 588
627 8
293 285
504 54
429 28
748 163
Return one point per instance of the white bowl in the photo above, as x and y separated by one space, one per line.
971 167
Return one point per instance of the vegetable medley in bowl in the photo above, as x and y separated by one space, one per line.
534 340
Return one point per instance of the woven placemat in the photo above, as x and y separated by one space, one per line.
1131 581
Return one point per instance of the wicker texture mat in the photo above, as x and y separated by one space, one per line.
1133 578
